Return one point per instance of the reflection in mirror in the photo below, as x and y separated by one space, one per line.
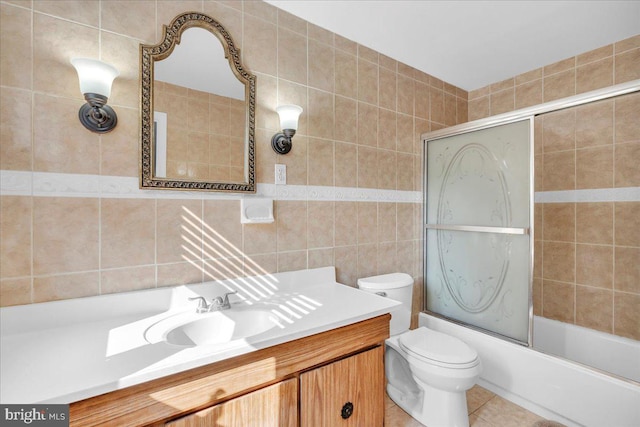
198 110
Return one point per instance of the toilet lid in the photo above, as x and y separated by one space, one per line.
434 345
386 281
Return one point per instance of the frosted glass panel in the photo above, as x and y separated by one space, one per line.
481 279
481 180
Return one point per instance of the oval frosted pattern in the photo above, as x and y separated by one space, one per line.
480 178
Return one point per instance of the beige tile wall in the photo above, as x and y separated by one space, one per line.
587 255
606 66
363 114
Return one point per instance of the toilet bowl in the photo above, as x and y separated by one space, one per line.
428 372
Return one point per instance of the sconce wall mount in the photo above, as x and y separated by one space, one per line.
96 78
96 115
281 141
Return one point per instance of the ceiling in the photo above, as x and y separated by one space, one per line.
471 44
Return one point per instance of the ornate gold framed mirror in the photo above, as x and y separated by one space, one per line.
197 110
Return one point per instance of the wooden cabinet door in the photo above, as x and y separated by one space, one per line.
346 393
272 406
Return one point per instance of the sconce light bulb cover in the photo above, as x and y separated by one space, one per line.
95 76
289 115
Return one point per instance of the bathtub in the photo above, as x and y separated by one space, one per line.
617 355
549 386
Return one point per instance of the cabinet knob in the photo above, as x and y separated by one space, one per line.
347 410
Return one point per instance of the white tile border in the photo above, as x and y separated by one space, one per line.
625 194
46 184
16 183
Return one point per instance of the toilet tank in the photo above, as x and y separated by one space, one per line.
397 286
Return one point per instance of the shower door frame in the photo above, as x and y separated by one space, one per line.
484 229
528 113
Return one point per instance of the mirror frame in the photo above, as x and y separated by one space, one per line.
151 53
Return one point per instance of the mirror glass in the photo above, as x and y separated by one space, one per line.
198 105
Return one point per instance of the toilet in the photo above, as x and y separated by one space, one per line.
428 372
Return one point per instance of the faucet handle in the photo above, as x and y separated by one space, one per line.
202 304
225 297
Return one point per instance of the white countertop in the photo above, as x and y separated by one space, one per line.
65 351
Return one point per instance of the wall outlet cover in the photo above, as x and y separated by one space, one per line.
281 174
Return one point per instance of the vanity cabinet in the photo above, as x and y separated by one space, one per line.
348 392
306 382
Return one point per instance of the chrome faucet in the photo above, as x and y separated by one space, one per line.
217 304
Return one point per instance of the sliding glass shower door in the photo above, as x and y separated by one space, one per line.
478 220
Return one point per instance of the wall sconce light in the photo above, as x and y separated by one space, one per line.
281 142
96 78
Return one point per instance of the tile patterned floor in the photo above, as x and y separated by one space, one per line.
485 410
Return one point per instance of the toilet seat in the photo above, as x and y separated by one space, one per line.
438 349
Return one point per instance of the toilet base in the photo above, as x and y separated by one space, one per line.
409 402
440 403
427 406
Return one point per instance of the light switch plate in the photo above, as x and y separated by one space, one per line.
281 174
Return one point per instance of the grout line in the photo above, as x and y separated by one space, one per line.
613 231
100 200
32 133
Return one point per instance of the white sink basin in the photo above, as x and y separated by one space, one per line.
193 329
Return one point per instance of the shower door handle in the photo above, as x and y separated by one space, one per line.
478 228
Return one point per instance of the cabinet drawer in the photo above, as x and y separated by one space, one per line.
349 392
273 406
